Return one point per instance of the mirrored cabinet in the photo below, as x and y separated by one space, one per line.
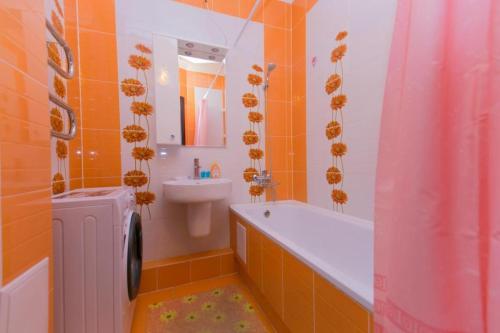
190 92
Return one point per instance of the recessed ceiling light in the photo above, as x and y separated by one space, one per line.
198 60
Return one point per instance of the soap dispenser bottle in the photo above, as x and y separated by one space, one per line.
215 171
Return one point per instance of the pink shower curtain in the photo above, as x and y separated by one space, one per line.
437 218
200 134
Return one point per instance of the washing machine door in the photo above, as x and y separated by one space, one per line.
134 256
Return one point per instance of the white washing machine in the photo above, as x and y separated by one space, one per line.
97 260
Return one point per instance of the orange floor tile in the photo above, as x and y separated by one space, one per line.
141 311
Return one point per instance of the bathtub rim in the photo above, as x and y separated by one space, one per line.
364 295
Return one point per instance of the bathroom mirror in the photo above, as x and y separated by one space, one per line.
190 92
202 94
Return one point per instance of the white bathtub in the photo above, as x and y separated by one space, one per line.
336 246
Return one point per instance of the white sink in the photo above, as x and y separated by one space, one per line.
198 194
197 190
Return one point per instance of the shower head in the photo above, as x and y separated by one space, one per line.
270 68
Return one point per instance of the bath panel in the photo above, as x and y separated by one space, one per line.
311 267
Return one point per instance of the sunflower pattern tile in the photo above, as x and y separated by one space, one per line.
137 134
251 137
334 129
58 88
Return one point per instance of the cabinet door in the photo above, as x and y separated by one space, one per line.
167 102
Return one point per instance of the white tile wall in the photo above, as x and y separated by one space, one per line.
166 235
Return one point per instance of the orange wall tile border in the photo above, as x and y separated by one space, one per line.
172 272
237 8
241 8
294 295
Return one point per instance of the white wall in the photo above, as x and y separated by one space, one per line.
166 235
370 26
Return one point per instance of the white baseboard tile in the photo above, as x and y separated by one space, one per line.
24 302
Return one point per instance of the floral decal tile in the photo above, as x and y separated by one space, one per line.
137 134
58 88
216 311
251 137
335 128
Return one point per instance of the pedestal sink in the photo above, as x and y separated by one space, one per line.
198 194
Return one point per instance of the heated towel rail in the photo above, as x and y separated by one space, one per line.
67 74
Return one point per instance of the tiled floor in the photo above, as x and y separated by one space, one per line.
140 317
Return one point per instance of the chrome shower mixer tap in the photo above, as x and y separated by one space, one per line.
266 181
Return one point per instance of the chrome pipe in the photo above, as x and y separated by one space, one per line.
71 116
70 72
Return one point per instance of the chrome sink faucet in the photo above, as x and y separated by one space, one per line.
196 168
266 181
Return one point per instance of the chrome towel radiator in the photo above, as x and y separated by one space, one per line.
67 74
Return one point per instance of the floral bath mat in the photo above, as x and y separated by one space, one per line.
222 310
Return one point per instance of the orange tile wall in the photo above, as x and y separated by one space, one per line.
25 186
99 92
284 45
239 8
173 272
188 80
298 99
277 49
94 93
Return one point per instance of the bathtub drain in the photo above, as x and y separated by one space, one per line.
267 213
